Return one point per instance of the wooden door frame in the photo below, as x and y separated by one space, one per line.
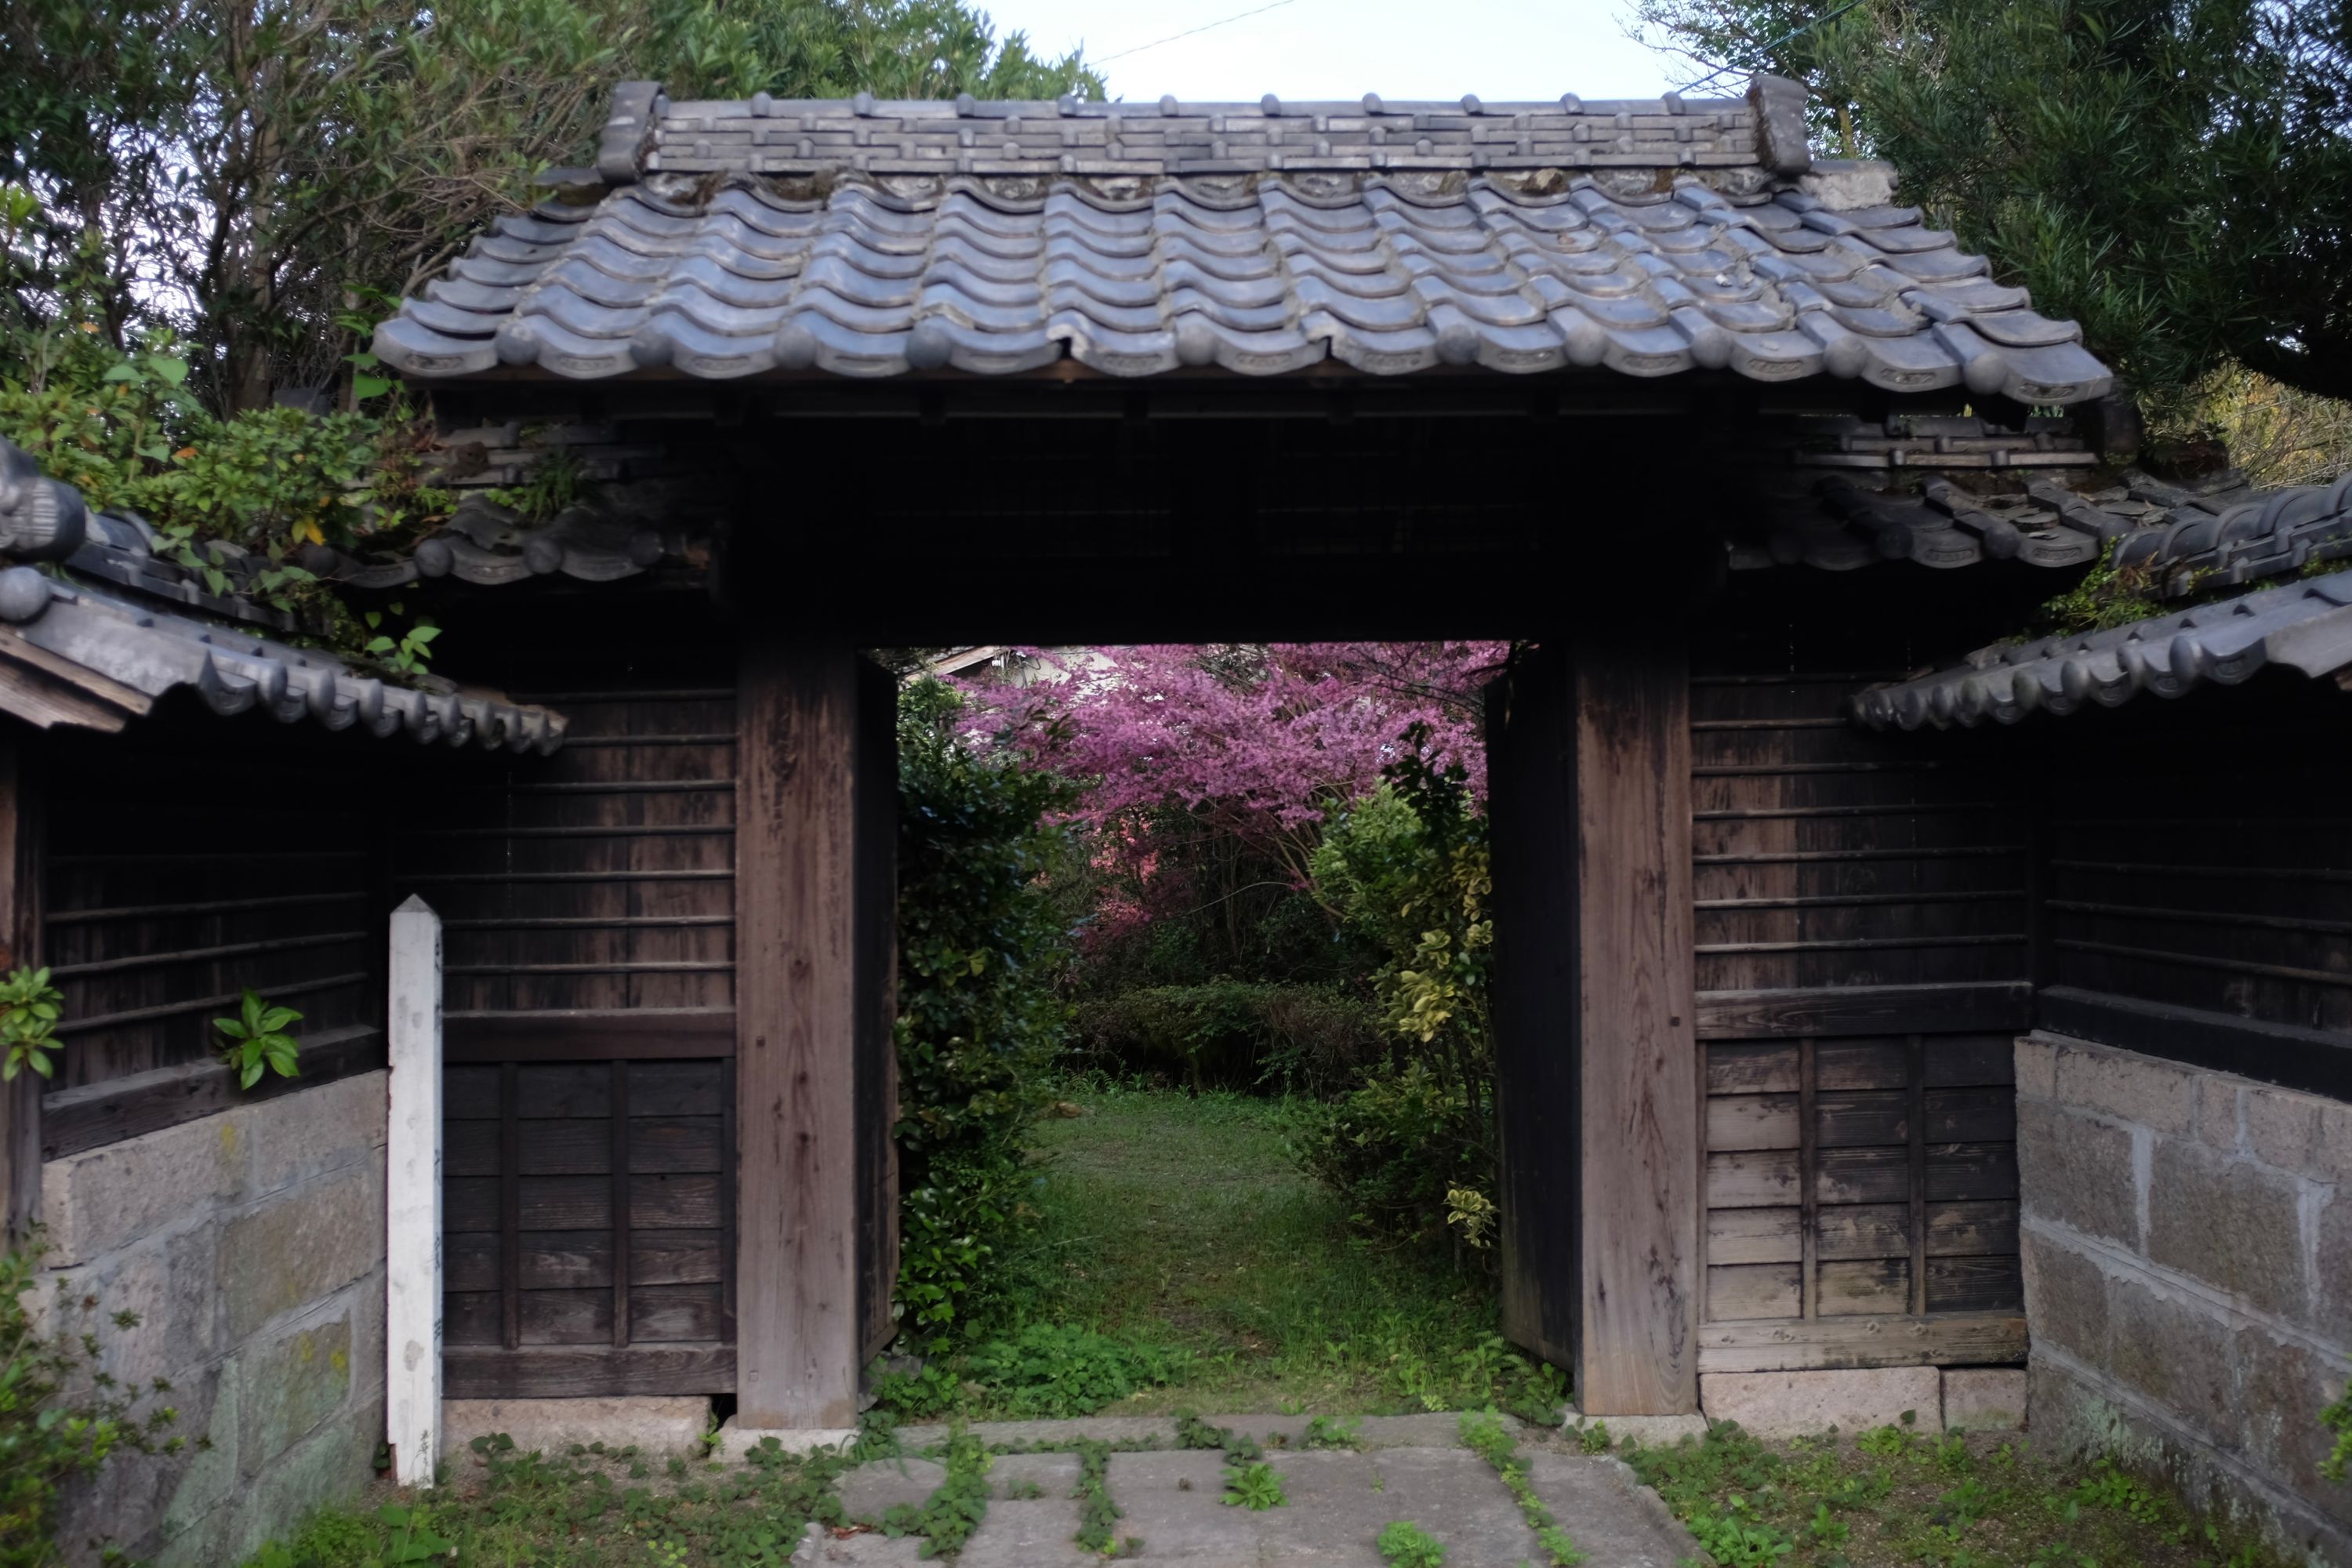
1598 1081
816 1204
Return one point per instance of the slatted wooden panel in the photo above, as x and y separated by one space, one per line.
1862 948
584 1203
163 905
2201 861
588 911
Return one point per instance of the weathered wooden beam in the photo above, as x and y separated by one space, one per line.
1599 1083
96 1114
1640 1101
564 1371
1790 1344
807 995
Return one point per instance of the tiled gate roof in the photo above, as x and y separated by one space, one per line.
108 627
725 239
2279 548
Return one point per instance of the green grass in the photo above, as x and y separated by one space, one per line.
1891 1498
1180 1221
590 1508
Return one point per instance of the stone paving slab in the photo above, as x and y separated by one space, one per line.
1650 1431
1037 1534
1456 1497
1328 1521
1339 1500
1616 1519
1017 1433
1440 1430
869 1549
877 1486
1170 1500
1055 1474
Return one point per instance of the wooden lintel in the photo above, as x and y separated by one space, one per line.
1864 1010
563 1371
1808 1344
647 1034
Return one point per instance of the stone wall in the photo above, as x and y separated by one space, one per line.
2187 1242
251 1245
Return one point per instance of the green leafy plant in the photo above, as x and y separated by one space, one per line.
1231 1034
1099 1517
409 1538
555 484
1323 1432
1404 1544
255 1041
980 948
948 1517
1049 1371
62 1416
1736 1541
1253 1485
30 1010
409 652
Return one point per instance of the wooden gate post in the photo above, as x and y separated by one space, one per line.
1596 1051
412 1232
815 962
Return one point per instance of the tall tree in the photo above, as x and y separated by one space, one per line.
2176 174
250 170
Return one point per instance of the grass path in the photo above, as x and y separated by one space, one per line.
1181 1220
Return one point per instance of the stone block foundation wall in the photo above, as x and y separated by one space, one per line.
2188 1245
251 1245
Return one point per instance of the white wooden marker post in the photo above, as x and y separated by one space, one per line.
411 1187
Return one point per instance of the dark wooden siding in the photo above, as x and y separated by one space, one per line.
189 860
1862 946
588 906
2198 894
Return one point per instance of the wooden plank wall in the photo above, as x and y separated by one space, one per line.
262 865
2198 895
1862 947
588 903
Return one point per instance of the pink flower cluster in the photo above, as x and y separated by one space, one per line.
1259 740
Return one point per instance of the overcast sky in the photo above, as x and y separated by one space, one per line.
1499 49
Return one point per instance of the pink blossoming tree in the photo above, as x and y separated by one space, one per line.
1253 744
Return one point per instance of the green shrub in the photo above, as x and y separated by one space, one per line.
1413 1152
1045 1372
980 1017
1395 1149
1231 1034
45 1442
1053 1371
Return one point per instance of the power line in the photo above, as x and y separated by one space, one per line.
1789 37
1188 31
